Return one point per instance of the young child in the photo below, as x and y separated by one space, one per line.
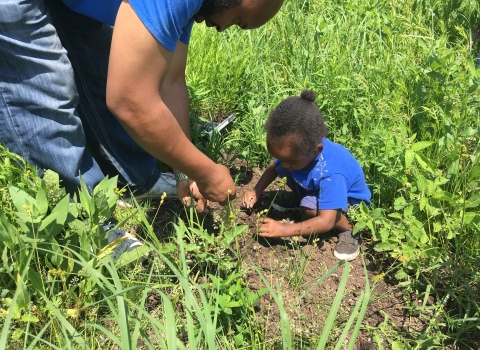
324 175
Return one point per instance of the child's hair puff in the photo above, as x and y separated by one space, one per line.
308 95
297 117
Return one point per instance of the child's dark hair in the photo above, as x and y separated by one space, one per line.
298 117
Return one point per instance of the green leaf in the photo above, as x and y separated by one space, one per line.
399 203
253 296
398 346
468 217
238 339
56 255
473 201
41 202
23 294
474 173
472 88
21 199
54 223
420 145
409 156
424 163
437 76
85 198
29 318
444 196
8 233
36 280
385 246
401 275
221 301
234 304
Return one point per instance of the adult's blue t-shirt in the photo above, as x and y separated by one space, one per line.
168 20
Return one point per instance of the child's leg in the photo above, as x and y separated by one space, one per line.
348 246
310 208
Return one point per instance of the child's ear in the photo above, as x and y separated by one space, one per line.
318 148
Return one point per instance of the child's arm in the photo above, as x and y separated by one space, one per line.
324 222
251 197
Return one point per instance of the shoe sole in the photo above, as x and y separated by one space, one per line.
346 256
127 203
282 209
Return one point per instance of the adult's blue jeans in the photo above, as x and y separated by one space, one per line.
53 70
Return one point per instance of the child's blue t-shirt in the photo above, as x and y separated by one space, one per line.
335 177
168 20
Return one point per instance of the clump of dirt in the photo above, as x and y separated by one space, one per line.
293 267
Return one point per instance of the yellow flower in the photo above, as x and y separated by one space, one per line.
27 208
378 277
403 258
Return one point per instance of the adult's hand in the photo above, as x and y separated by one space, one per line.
218 186
188 190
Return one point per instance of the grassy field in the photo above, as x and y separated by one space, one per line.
398 86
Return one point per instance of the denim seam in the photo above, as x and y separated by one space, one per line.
26 153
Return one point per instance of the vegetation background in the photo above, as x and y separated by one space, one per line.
398 86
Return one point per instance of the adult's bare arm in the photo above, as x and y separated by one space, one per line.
138 67
174 94
174 90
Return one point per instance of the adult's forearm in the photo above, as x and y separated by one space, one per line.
175 96
154 127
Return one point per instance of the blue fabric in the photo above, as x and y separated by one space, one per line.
53 72
335 178
104 11
168 20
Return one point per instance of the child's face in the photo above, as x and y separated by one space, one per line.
288 156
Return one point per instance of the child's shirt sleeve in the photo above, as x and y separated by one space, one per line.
333 193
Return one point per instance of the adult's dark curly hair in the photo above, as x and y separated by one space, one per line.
300 118
212 7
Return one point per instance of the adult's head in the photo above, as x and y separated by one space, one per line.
247 14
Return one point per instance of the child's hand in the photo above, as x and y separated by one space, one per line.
271 228
249 199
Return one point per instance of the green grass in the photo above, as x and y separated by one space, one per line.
397 84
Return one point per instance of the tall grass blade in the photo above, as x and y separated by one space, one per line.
334 308
284 321
363 310
321 279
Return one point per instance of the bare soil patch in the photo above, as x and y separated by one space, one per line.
293 266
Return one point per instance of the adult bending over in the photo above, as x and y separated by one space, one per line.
54 90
